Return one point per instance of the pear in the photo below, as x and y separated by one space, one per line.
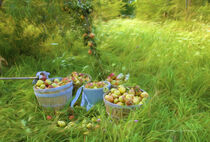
122 99
116 100
129 102
56 80
144 95
129 96
109 98
122 89
42 86
54 85
61 123
39 83
117 92
120 103
113 89
136 100
114 95
89 125
131 91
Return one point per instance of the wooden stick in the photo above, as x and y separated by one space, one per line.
17 78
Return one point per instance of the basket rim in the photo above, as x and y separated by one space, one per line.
53 89
118 106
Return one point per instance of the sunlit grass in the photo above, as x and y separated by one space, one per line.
169 62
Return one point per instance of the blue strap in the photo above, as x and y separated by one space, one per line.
38 75
77 96
89 106
83 101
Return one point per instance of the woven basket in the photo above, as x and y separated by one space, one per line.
116 111
55 98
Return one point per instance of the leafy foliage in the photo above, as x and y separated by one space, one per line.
107 9
173 9
31 24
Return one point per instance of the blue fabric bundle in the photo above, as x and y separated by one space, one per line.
39 76
90 96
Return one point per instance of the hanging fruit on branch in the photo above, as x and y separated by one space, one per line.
92 35
83 18
89 51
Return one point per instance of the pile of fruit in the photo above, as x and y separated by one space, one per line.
79 78
117 79
86 126
47 83
95 85
126 96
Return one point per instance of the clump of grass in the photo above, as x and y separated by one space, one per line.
171 65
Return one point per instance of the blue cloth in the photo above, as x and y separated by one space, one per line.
90 96
38 75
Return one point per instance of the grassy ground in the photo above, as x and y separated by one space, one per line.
170 61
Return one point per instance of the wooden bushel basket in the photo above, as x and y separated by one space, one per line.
117 111
55 98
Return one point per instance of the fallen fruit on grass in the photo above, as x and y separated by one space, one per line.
71 124
89 125
49 117
97 126
86 133
94 119
61 123
71 117
84 121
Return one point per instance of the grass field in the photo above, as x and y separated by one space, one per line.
169 60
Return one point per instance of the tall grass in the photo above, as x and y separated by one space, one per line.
169 61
